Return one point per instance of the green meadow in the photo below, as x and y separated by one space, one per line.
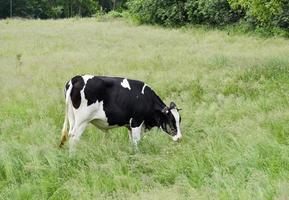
233 90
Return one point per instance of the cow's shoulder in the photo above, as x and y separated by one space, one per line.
95 89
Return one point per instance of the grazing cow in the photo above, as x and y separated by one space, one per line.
109 102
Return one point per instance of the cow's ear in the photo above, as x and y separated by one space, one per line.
173 105
179 109
165 110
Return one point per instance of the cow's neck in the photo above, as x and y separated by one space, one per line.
159 104
157 118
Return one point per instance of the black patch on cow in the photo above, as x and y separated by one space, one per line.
77 86
135 123
94 90
67 86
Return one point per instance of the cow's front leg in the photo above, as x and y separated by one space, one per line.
136 128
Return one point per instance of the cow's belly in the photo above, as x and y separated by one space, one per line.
102 124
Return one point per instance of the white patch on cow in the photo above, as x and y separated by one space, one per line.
86 78
125 84
94 112
99 118
136 133
68 91
84 112
177 118
143 88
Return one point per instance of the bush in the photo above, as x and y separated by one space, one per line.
214 12
115 14
270 17
270 14
159 11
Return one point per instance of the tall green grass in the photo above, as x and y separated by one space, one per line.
233 90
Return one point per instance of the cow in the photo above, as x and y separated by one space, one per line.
109 102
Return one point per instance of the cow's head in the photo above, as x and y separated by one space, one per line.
171 120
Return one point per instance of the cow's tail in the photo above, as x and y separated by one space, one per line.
64 133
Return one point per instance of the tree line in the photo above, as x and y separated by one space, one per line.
266 15
269 15
45 9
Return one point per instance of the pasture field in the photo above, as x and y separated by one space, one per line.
233 89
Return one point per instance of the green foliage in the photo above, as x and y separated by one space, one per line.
115 14
159 12
214 12
270 17
58 8
269 13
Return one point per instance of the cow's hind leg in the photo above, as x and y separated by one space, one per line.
75 134
70 119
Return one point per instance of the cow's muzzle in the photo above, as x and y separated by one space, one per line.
177 137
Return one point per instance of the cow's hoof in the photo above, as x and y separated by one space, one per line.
61 144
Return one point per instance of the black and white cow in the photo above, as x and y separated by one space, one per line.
109 102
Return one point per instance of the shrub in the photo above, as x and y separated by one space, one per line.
214 12
269 13
158 11
268 18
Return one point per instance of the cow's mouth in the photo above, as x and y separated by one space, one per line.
177 137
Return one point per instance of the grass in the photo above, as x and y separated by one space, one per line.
233 89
